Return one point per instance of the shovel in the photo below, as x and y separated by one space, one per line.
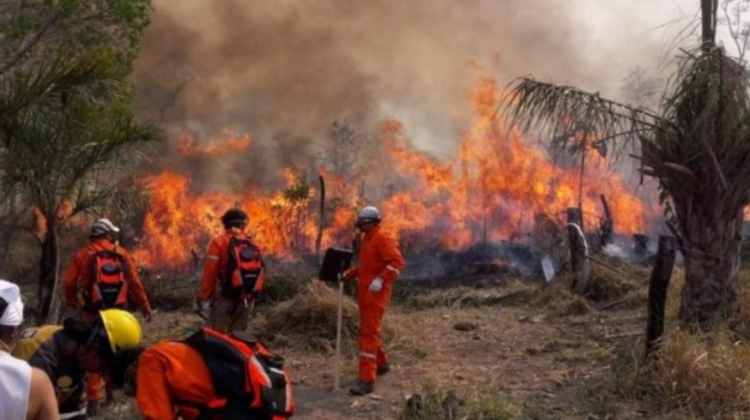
339 321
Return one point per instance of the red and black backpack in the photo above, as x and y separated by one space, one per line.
108 286
242 279
249 382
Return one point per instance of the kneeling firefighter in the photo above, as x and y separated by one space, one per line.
213 376
67 353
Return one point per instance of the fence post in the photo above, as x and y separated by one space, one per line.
578 252
657 293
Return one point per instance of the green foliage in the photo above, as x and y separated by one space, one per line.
34 29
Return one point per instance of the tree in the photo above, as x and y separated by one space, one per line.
66 116
34 29
696 146
73 153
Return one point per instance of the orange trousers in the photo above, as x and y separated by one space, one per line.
371 352
93 380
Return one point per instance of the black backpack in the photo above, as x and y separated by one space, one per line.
249 381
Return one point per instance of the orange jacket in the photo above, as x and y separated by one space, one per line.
169 372
78 274
378 257
216 263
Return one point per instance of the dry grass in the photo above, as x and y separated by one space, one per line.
514 293
310 318
697 376
436 405
617 280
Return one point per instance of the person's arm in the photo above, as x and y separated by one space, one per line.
391 257
152 391
42 402
135 287
210 271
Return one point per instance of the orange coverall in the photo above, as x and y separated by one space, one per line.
77 278
378 257
226 315
169 372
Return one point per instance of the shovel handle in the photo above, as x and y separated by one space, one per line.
339 321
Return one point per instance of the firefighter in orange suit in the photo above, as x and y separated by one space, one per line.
79 282
174 379
380 263
228 302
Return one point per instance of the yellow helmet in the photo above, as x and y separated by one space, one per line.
123 330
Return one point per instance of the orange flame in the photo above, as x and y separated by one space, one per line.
495 188
187 147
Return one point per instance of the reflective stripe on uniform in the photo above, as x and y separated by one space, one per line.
368 355
392 268
213 257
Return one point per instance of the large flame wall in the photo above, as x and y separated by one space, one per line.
493 189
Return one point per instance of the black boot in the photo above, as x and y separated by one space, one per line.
362 388
382 370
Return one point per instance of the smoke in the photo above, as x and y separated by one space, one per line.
263 67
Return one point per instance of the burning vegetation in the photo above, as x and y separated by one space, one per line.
496 187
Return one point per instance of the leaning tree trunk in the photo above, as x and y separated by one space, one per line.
48 265
711 248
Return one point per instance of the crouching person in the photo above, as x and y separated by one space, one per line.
67 353
211 375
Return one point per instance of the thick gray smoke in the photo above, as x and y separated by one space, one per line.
296 65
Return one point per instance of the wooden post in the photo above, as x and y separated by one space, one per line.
641 245
578 252
657 293
607 226
321 222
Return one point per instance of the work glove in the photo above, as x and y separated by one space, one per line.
206 306
376 285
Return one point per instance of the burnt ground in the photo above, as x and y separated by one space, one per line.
527 361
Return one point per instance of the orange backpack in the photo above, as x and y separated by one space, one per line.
249 381
109 285
242 279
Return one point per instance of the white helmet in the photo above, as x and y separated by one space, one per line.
367 215
103 226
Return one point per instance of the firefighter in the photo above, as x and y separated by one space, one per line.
175 379
233 275
88 287
26 391
379 264
67 353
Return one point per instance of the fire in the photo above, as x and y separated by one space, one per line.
494 189
187 147
62 215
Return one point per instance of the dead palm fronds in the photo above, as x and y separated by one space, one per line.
696 145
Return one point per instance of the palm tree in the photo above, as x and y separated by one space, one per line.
68 132
696 146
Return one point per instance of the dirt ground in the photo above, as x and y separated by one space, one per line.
535 364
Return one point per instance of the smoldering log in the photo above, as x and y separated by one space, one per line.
657 292
578 252
606 229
